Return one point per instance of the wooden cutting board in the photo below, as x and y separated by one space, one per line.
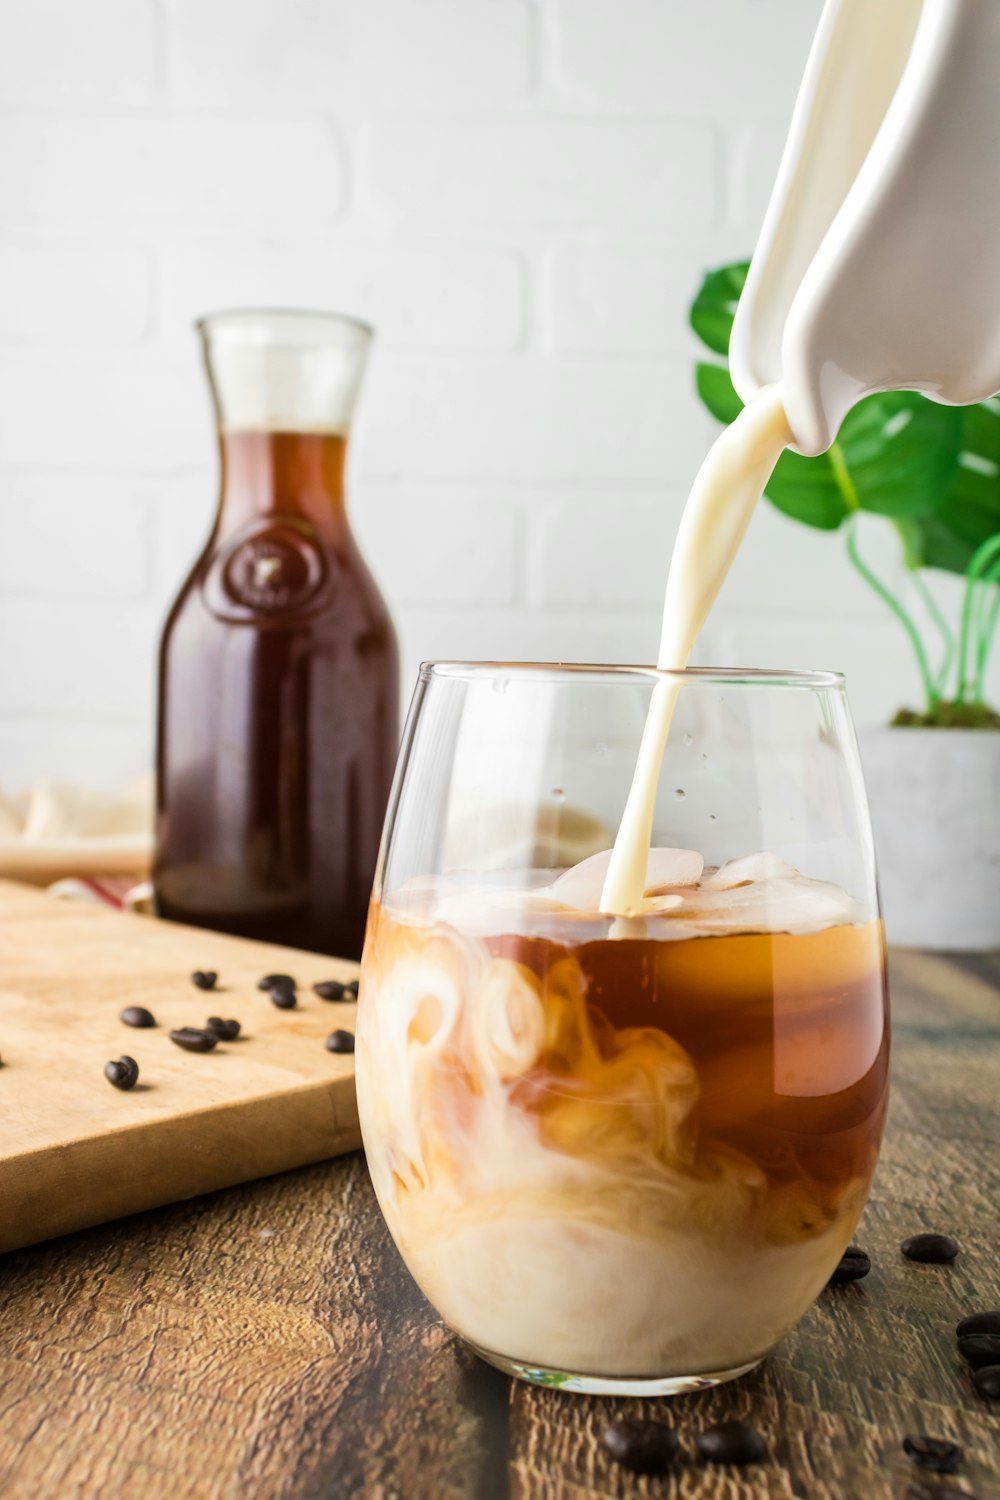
75 1151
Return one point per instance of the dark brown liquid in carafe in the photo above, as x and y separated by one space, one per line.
278 706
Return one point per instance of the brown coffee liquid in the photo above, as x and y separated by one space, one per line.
788 1035
278 709
784 1061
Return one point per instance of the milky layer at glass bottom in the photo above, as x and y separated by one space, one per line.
623 1152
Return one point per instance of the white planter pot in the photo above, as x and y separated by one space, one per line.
935 804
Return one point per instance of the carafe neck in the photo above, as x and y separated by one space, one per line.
284 385
290 474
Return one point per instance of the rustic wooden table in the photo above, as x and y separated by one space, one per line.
266 1341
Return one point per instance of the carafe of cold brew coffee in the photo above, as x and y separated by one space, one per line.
278 683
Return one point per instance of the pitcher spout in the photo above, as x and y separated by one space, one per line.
878 265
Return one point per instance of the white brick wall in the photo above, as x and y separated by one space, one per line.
346 56
73 292
128 170
61 55
457 171
521 194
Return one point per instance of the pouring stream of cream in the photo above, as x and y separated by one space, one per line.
722 500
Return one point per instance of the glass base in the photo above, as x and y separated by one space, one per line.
612 1385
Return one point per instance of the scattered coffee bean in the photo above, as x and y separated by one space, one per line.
226 1031
193 1039
983 1322
929 1249
923 1489
340 1041
939 1455
330 989
284 999
277 982
137 1015
732 1443
987 1382
980 1349
353 987
123 1073
643 1447
204 979
854 1264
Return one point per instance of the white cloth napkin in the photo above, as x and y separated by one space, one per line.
56 829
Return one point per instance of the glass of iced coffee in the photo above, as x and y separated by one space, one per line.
623 1151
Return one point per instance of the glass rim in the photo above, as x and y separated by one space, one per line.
575 671
282 327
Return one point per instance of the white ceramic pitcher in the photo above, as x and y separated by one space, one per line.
878 266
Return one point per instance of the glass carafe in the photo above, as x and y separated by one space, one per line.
278 683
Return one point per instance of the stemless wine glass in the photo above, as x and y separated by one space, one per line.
623 1154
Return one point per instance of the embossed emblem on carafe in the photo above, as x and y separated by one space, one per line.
273 567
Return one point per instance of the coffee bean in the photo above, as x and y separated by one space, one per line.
123 1073
980 1349
854 1264
284 999
340 1041
353 987
643 1447
929 1249
226 1031
939 1455
987 1382
330 989
923 1489
192 1039
732 1443
137 1015
276 982
983 1322
204 979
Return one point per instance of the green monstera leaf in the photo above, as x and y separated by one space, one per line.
970 513
714 308
933 470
